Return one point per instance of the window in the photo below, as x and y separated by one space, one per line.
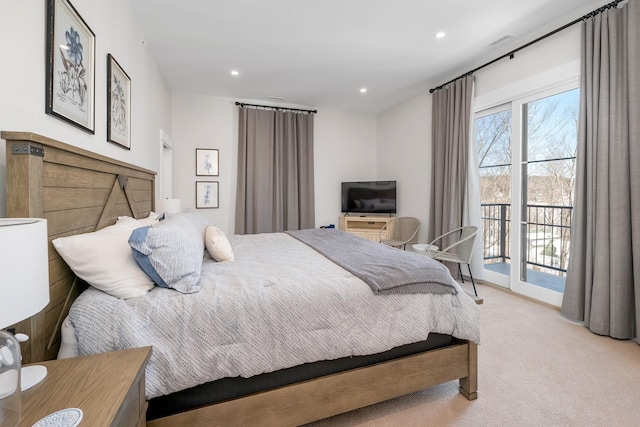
526 150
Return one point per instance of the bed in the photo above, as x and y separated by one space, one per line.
79 192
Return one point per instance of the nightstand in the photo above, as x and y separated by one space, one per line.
108 387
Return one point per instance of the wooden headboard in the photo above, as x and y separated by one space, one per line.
76 191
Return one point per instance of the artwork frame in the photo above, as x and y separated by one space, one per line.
118 104
70 68
207 194
207 162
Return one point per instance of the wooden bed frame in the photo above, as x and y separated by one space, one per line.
78 191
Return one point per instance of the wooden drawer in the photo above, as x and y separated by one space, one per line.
107 387
367 227
133 407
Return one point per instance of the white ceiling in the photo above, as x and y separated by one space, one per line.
320 53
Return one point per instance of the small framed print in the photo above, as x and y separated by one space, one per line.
206 162
70 70
118 104
206 194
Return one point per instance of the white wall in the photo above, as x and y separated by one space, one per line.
404 154
205 122
554 60
344 150
22 81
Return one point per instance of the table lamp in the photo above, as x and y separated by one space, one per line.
24 291
169 206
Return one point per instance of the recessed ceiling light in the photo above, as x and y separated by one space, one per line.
363 90
440 35
234 72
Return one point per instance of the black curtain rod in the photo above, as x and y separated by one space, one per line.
512 53
242 104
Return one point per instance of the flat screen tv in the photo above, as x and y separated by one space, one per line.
369 197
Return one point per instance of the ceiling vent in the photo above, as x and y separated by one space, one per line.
501 40
276 98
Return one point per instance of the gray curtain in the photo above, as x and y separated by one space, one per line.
450 138
275 171
603 276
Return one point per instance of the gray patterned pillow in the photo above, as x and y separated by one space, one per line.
171 251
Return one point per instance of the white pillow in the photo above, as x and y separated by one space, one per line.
105 261
151 219
217 244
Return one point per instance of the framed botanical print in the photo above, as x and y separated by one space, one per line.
71 47
206 162
118 104
206 194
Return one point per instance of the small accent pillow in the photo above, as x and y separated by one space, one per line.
68 341
171 251
217 244
103 259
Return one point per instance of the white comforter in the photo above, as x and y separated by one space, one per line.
278 305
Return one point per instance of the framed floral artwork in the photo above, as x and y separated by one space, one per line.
71 47
118 104
206 162
206 194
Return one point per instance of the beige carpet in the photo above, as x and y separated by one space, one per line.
535 369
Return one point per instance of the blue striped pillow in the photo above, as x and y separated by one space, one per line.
171 251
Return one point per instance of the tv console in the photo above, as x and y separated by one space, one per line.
364 226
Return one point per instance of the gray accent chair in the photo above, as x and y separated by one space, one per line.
460 243
400 231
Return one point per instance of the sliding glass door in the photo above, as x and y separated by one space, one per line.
527 171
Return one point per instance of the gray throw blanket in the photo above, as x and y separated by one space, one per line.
385 269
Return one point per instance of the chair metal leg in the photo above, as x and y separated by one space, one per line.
472 282
460 271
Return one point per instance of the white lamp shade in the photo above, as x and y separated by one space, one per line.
169 206
24 269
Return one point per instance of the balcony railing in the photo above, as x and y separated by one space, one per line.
547 233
